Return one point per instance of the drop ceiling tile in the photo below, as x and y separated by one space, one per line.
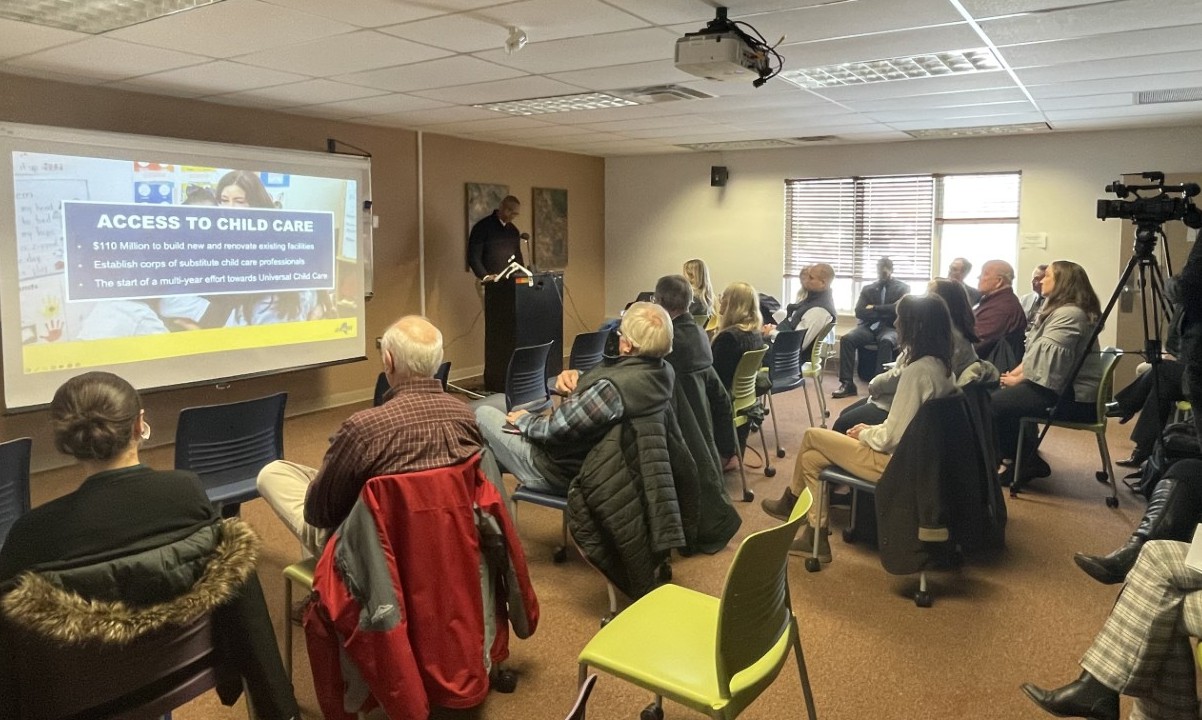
435 116
1087 101
652 123
1120 44
378 105
980 9
121 59
229 28
520 88
972 111
1186 111
668 12
308 92
499 122
1117 67
578 53
56 77
1110 123
1087 21
632 75
880 46
938 100
1166 81
841 20
18 38
211 78
542 20
376 13
547 131
341 54
446 72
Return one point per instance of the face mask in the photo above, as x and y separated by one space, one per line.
145 431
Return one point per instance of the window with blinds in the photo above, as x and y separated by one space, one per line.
920 222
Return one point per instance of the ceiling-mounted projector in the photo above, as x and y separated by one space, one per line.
723 51
717 56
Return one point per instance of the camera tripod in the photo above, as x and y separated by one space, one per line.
1151 282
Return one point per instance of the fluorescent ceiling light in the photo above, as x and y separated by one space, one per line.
764 144
94 16
558 103
900 68
980 130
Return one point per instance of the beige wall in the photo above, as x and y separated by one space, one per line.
660 210
449 163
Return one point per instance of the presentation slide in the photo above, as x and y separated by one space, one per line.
170 272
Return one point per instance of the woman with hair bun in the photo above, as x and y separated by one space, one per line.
134 549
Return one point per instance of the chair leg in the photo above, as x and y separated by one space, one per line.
748 496
288 627
805 390
769 471
1016 485
812 563
1107 469
780 451
821 395
811 713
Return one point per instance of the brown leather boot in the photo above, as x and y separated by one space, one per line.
783 508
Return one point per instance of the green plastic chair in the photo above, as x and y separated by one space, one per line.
823 348
1110 359
712 655
742 399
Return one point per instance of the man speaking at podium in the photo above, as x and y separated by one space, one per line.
495 241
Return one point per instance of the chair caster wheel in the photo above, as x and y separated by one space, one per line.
560 555
503 681
922 599
826 414
812 564
607 619
1112 502
849 536
748 496
1101 476
769 472
780 452
652 712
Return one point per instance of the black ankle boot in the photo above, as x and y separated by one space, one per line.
1113 568
1085 697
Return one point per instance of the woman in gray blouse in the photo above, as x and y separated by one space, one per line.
1062 331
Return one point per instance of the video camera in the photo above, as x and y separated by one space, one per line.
1154 209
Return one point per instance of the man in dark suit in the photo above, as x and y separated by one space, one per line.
494 239
876 311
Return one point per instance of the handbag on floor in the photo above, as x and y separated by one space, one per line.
1179 441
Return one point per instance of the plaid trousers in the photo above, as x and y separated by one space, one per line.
1143 650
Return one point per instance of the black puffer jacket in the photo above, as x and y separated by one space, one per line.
210 571
624 512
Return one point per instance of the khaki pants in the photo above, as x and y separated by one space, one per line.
822 448
283 485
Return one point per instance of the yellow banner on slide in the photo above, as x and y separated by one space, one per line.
46 357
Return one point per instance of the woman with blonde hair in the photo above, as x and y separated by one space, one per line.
703 290
1063 330
739 330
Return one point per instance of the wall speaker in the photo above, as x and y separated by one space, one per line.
718 175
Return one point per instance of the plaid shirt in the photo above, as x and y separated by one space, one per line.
580 415
418 428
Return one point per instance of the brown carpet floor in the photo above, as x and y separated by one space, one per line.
1028 615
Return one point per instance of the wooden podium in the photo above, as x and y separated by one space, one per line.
522 311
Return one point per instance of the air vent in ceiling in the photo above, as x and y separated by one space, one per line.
813 139
661 93
1155 97
766 144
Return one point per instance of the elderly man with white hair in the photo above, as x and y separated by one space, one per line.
418 427
545 452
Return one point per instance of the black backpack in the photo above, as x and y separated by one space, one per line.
1179 441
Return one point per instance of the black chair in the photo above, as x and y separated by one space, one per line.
14 482
784 370
526 379
227 445
577 711
587 351
442 375
146 678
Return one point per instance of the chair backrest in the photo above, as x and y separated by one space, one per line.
755 608
443 374
14 482
1110 360
786 356
824 346
577 712
226 442
526 378
742 388
148 677
587 350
